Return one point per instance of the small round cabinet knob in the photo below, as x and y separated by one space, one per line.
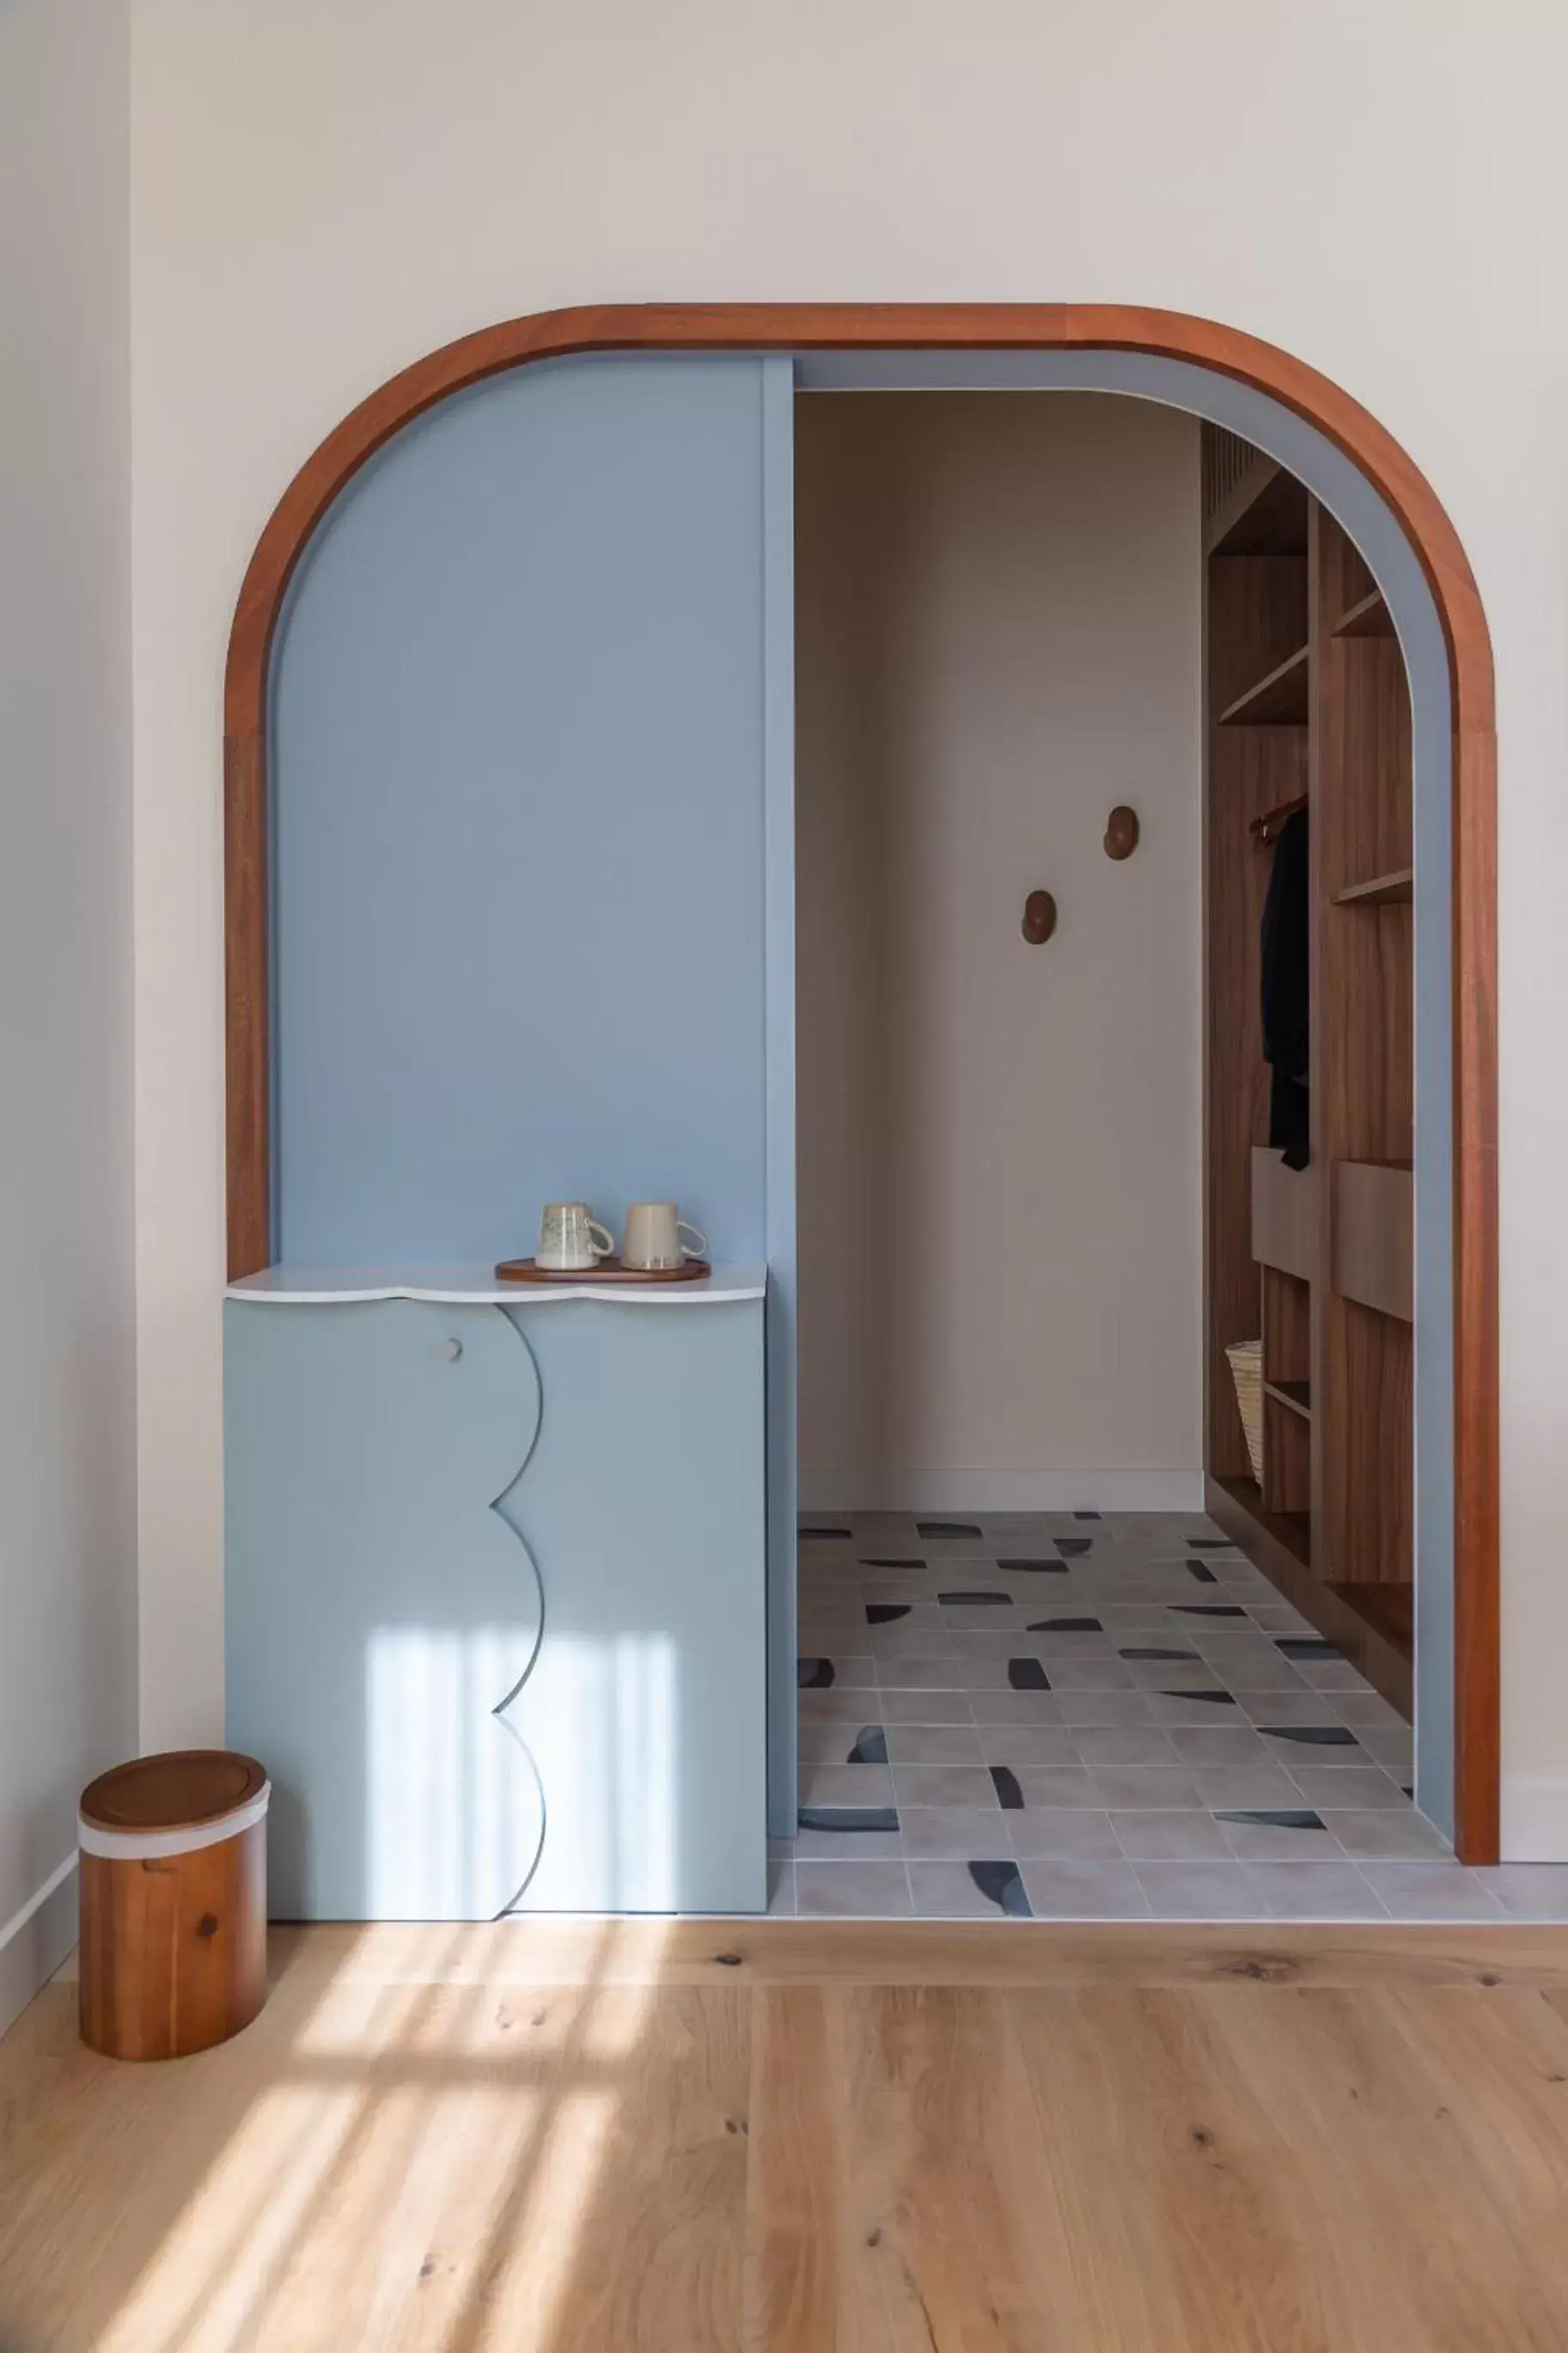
1039 918
451 1350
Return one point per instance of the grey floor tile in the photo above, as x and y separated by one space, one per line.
1030 1744
1140 1789
924 1706
943 1785
1009 1707
1107 1675
853 1706
845 1785
1288 1707
1316 1891
1199 1889
840 1846
919 1671
1192 1714
902 1642
851 1669
1128 1743
1530 1891
1173 1835
942 1743
1348 1789
1097 1710
780 1889
1217 1744
827 1743
1393 1751
1346 1756
955 1833
1058 1785
1331 1676
1064 1834
1170 1674
853 1891
1241 1787
1401 1835
1369 1708
948 1891
990 1619
1072 1890
1265 1841
1432 1891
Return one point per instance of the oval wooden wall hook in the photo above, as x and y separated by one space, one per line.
1121 831
1039 918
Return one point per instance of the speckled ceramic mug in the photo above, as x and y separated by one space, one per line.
570 1238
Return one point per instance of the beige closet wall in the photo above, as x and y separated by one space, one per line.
998 638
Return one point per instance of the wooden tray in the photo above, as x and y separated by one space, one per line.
608 1270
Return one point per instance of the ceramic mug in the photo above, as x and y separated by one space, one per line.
653 1237
570 1238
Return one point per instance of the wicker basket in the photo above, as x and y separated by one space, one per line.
1246 1371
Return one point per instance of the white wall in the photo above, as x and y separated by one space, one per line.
320 193
68 1558
1000 1146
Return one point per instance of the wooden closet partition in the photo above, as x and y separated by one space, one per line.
1306 699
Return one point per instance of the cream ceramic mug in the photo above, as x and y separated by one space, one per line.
570 1238
653 1237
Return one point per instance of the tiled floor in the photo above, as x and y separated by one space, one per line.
1078 1716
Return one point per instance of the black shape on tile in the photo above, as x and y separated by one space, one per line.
1278 1817
1208 1608
1209 1698
1312 1735
849 1818
1208 1544
864 1562
1002 1883
1071 1546
976 1600
870 1746
813 1675
1202 1572
1307 1646
1140 1650
815 1535
1067 1626
883 1613
1033 1567
1086 1516
946 1528
1004 1781
1027 1674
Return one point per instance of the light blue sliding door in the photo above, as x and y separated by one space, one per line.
518 870
532 842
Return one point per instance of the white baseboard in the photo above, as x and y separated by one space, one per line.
1534 1821
1001 1491
36 1940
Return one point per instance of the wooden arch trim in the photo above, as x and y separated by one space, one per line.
1170 335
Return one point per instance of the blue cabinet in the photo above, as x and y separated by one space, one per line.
496 1602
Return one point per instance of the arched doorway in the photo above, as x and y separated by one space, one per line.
1280 405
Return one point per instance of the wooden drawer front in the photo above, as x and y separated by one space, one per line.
1284 1215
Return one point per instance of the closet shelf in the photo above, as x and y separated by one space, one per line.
1264 514
1373 1232
1279 700
1389 1609
1383 891
1369 616
1295 1395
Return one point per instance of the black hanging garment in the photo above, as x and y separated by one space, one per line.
1286 992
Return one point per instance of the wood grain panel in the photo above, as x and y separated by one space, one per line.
1284 1215
802 2138
1000 326
174 1949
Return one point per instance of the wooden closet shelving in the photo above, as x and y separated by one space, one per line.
1306 698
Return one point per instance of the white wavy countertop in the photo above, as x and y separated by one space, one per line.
477 1286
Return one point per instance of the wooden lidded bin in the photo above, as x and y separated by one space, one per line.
173 1902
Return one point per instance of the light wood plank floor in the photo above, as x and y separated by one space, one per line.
814 2138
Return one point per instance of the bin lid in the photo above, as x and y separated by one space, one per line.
179 1790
